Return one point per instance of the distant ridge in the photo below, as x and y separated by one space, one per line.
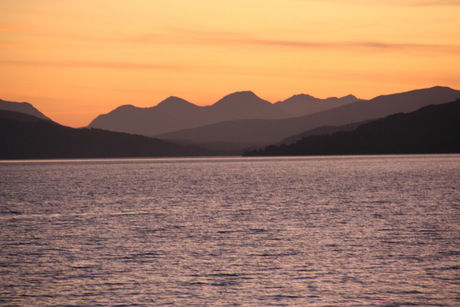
264 131
302 104
174 114
431 129
21 107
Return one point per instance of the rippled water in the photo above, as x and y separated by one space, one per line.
358 231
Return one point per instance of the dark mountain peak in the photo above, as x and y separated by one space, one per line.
440 87
174 101
21 107
243 97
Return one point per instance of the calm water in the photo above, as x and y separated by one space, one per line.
317 231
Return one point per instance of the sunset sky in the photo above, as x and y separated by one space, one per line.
76 59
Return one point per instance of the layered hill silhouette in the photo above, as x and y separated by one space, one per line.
175 114
21 107
301 105
23 136
320 131
29 134
266 131
431 129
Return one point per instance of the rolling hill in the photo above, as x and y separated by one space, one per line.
23 136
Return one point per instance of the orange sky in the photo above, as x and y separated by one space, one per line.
76 59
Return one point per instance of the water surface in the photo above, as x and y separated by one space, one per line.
316 231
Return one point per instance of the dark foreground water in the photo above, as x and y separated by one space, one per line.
318 231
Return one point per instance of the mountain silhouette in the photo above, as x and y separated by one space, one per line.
245 105
169 114
431 129
173 103
174 114
26 136
305 104
21 107
263 131
23 136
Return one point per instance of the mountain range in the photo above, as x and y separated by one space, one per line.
175 114
270 131
239 121
431 129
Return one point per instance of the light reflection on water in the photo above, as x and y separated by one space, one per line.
379 231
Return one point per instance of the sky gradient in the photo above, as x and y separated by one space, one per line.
76 59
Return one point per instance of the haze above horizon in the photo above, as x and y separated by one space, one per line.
74 60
